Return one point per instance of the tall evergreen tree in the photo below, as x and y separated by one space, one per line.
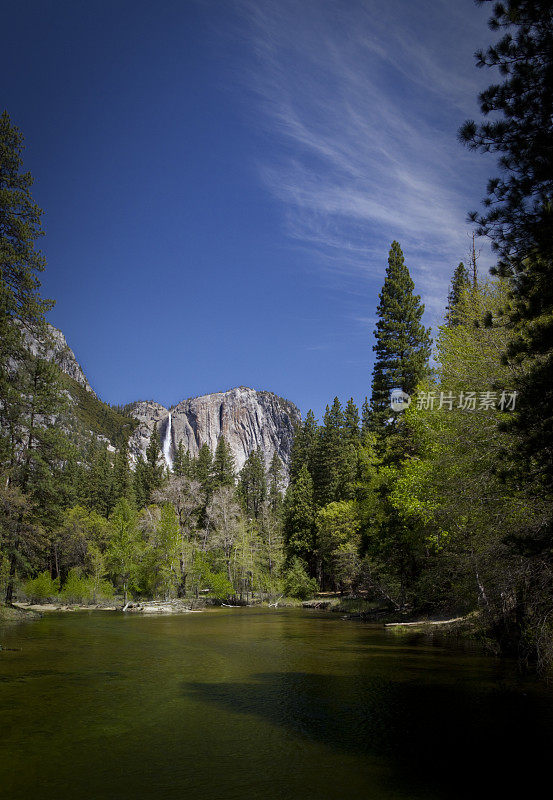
253 483
182 463
32 449
351 423
148 476
223 469
100 483
304 445
274 483
519 207
402 343
122 475
459 283
299 519
365 418
203 466
329 455
519 202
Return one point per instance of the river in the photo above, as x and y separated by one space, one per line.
260 704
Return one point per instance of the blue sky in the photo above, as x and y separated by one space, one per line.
222 180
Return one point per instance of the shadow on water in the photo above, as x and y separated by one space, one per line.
444 740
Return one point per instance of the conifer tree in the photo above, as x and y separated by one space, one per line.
203 468
182 463
149 473
365 418
351 423
304 446
459 283
32 450
518 216
519 202
253 483
299 519
329 455
122 475
223 468
274 484
100 483
402 343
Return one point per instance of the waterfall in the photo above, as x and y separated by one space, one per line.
168 443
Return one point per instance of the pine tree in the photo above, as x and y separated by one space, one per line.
122 475
519 208
402 343
100 483
274 484
519 203
365 419
253 483
149 473
182 463
299 519
304 445
223 468
203 468
459 283
32 449
329 455
352 433
20 228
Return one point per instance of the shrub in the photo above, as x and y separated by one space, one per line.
41 588
297 582
80 589
220 585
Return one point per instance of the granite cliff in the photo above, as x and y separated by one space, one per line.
248 418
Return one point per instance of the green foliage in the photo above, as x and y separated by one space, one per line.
460 282
125 546
402 343
149 473
41 588
160 562
96 416
81 589
222 469
519 212
219 585
299 517
297 582
253 484
338 541
182 463
203 467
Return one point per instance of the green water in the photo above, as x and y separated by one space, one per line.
246 703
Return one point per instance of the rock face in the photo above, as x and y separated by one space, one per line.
248 419
55 348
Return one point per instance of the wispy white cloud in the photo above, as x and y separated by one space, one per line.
361 102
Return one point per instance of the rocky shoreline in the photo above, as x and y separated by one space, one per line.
135 607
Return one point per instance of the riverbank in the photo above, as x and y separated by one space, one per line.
358 608
11 615
143 607
177 606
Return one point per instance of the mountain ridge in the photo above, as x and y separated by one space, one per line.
248 418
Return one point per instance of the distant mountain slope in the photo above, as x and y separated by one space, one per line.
248 418
87 414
